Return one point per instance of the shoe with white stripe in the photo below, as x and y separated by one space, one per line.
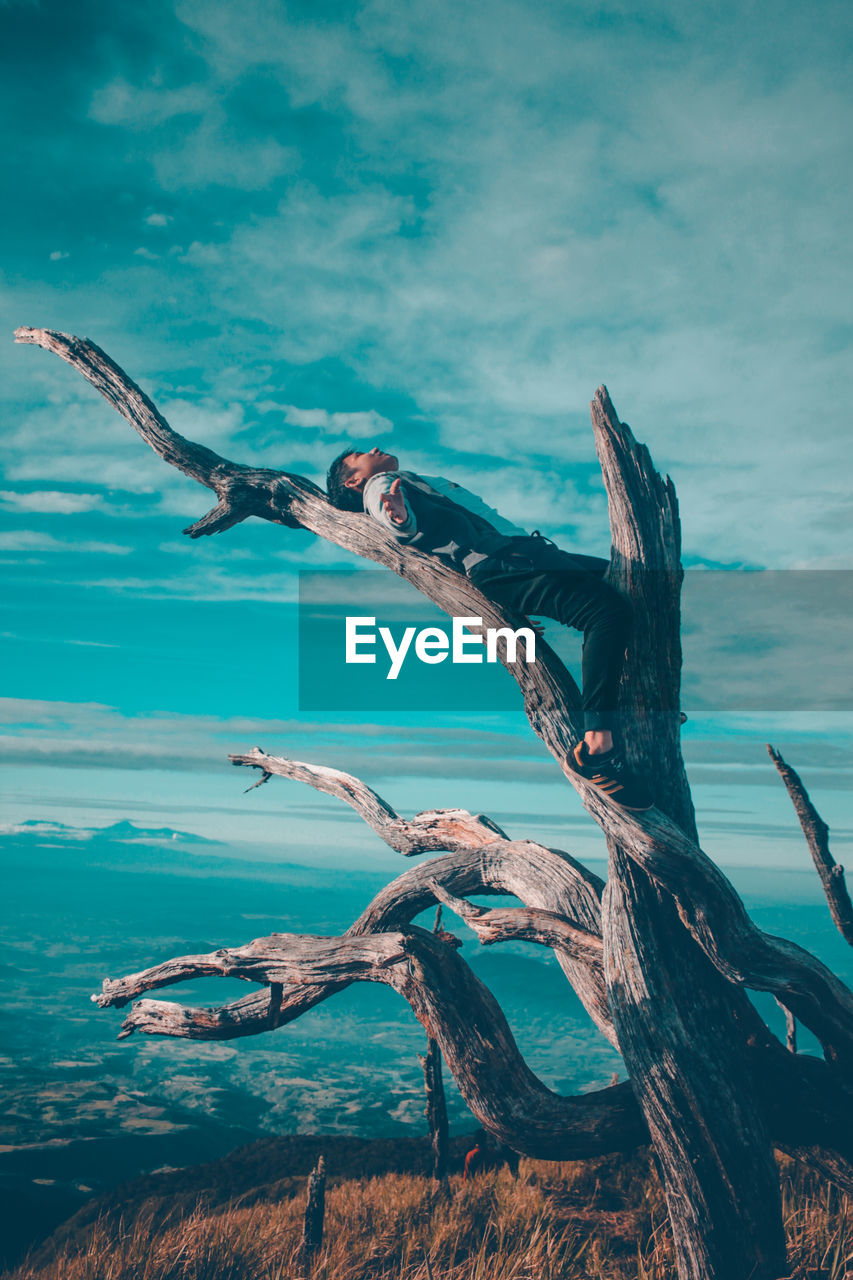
608 771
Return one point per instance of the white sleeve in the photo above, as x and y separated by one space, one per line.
372 494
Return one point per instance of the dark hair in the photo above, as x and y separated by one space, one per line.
339 495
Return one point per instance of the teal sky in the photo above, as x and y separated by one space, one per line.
438 227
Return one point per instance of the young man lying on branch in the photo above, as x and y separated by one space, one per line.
524 572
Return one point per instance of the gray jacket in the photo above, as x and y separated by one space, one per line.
442 518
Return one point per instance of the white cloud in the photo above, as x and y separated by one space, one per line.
29 540
357 425
58 254
203 419
140 107
158 219
659 235
46 829
51 501
210 155
510 230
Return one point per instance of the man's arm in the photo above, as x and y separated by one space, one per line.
385 500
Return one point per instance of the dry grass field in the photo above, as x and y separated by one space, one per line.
603 1220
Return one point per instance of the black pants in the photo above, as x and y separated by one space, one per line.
534 577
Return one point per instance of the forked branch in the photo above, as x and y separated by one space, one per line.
707 902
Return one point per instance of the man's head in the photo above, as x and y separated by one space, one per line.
350 472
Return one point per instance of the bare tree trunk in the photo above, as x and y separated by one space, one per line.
675 1020
681 1042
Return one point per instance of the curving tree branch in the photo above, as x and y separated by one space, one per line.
433 829
707 902
454 1008
461 1015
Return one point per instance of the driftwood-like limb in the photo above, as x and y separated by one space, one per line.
645 532
817 838
454 1008
454 830
490 862
551 697
714 914
195 460
545 880
807 1106
708 903
428 831
809 1109
493 870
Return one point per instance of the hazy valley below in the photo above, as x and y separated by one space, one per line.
85 1113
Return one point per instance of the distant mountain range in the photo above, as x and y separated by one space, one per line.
123 832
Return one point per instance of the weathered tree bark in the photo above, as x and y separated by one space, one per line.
660 958
488 862
707 903
686 1058
448 1000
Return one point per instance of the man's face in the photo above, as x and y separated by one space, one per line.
361 466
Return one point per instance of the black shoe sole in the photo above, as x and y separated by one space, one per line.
630 808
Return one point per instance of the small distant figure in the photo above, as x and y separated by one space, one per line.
486 1154
474 1163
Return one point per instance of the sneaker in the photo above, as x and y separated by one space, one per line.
608 771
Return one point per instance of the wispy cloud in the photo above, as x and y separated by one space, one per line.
357 425
51 500
27 540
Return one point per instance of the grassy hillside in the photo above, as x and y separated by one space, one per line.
601 1220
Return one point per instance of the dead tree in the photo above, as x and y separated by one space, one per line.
662 955
312 1224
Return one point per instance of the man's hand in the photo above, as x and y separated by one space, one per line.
394 503
535 626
